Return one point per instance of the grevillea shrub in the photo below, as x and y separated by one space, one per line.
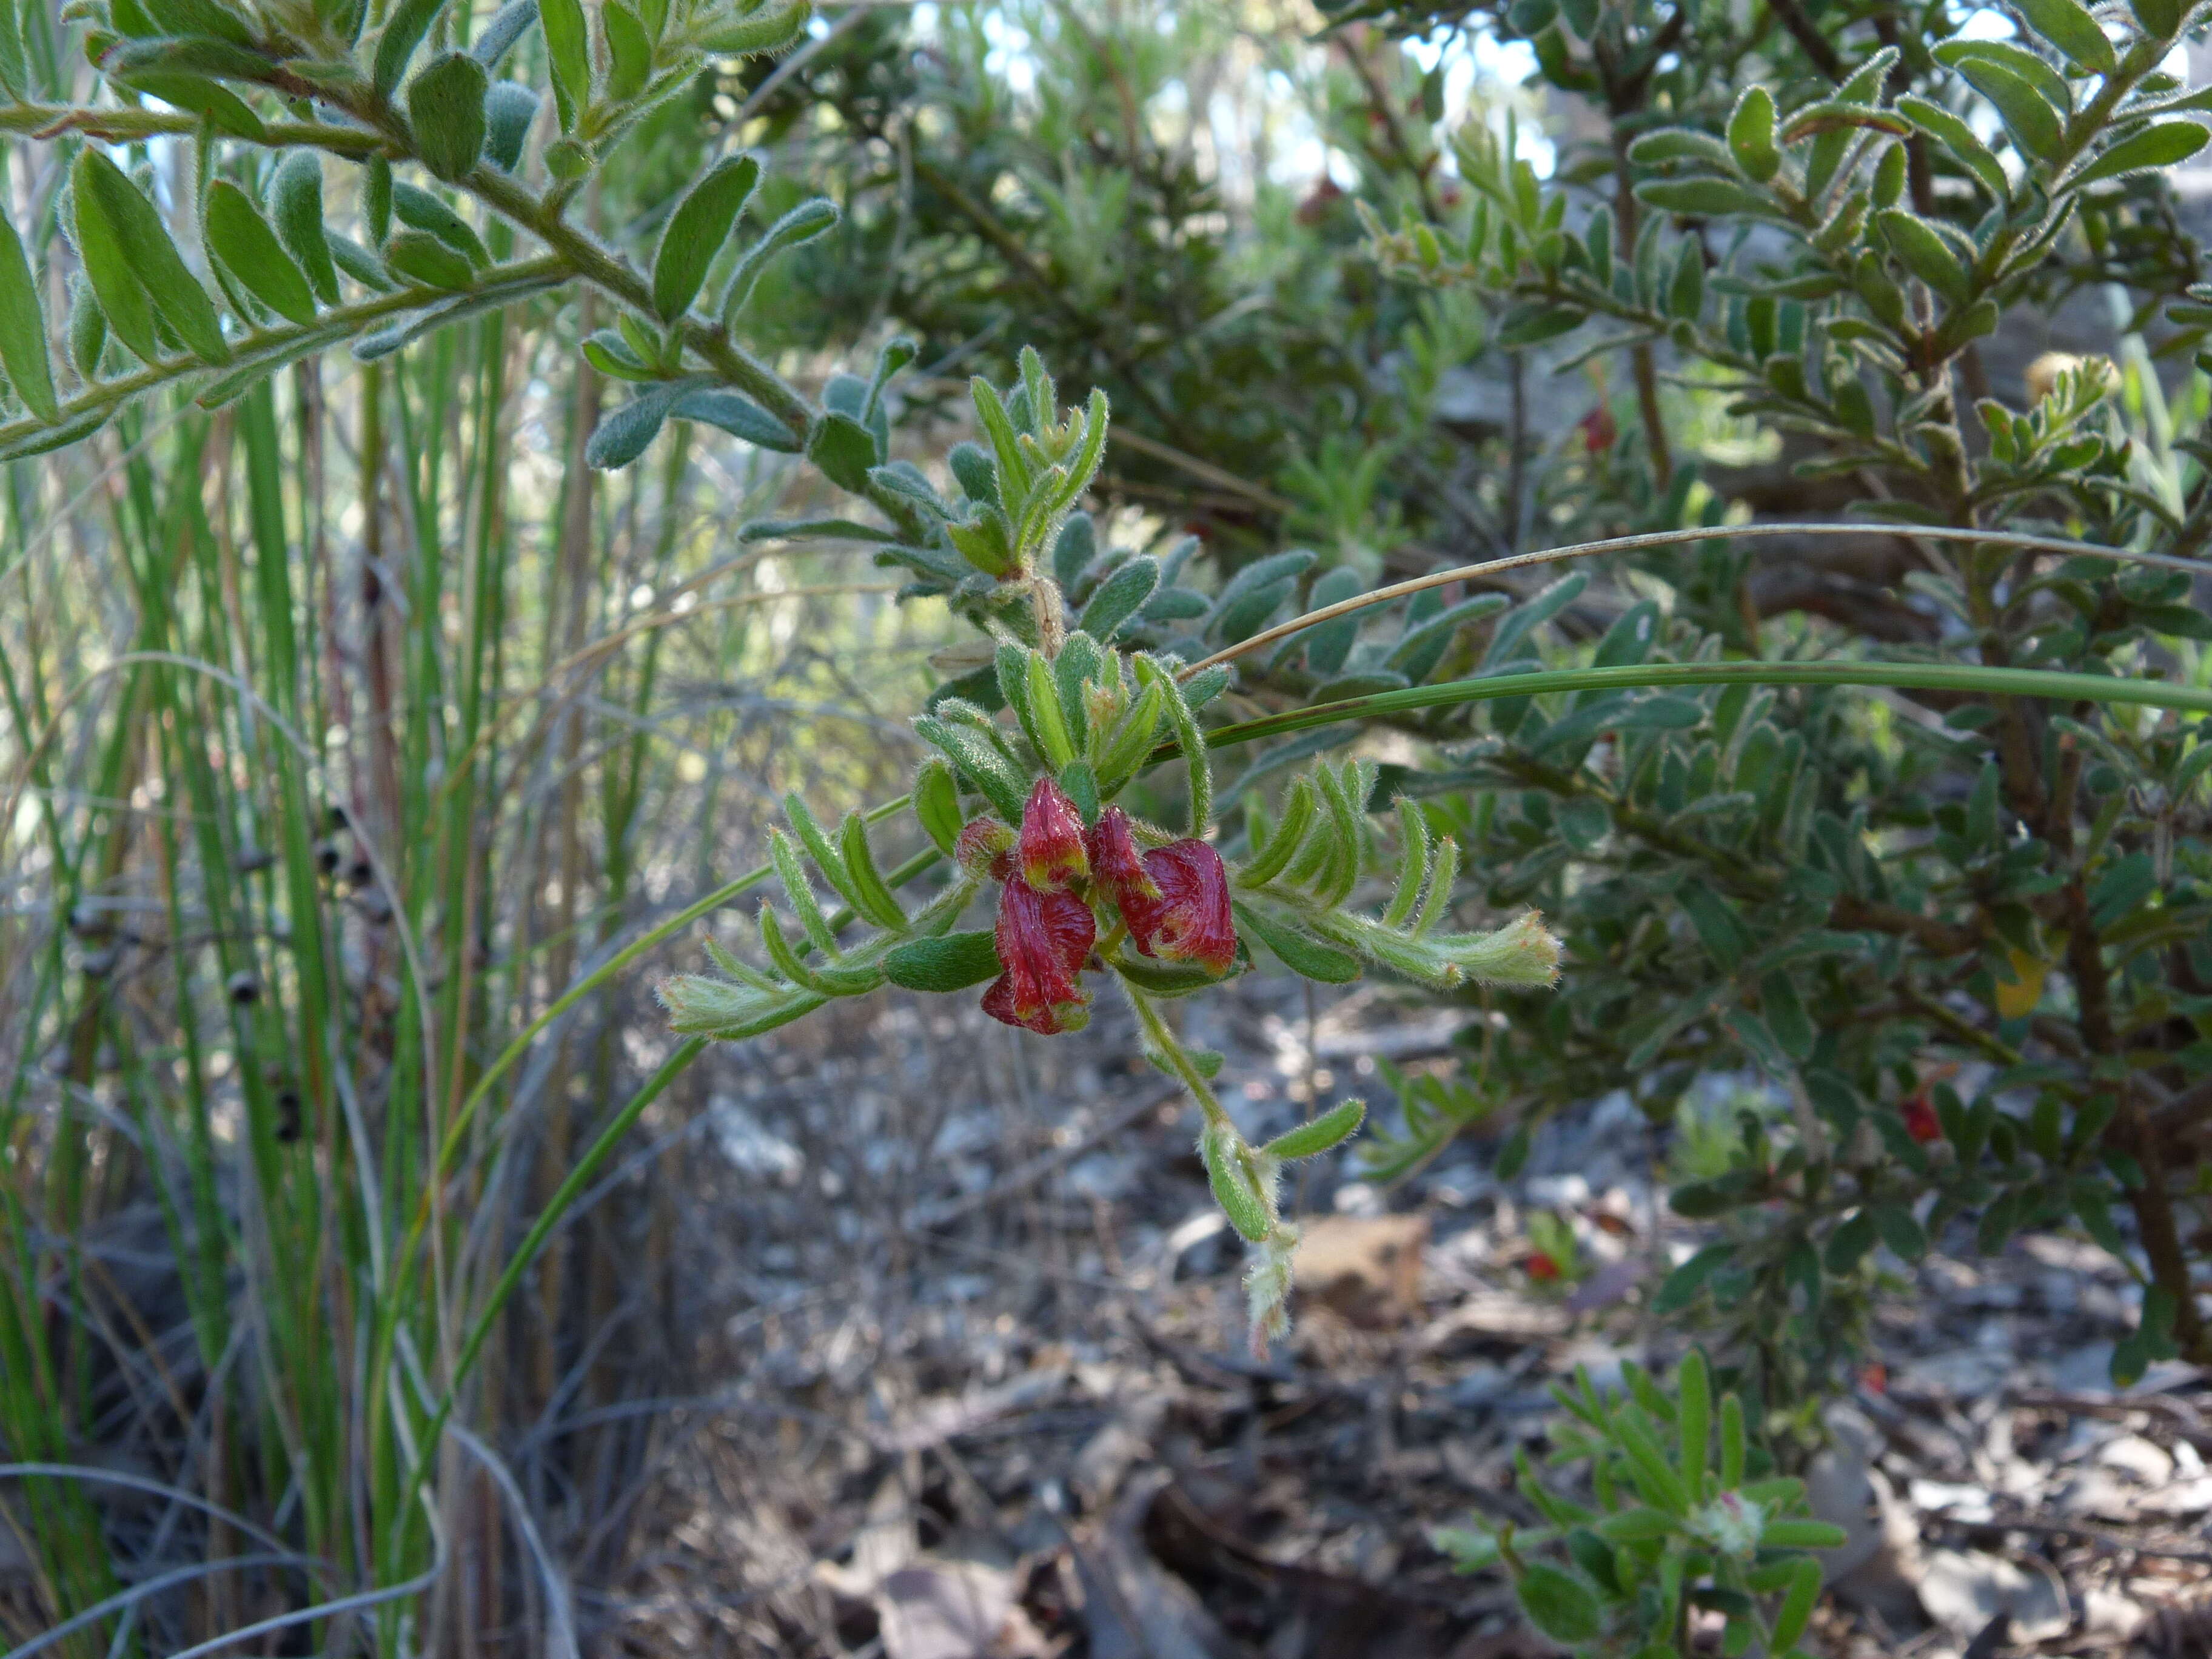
1962 938
1024 810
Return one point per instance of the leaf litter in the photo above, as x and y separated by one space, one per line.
973 1382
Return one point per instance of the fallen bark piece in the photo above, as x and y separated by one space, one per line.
1366 1268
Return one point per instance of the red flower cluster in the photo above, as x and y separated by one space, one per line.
1174 900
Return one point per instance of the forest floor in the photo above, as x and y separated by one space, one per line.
976 1382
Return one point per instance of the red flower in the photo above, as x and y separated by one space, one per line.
1115 862
1042 939
1920 1120
986 849
1185 917
1599 432
1541 1267
1051 846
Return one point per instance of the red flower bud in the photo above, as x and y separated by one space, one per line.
986 849
1114 863
1599 432
1920 1120
1042 941
1541 1267
1189 920
1051 847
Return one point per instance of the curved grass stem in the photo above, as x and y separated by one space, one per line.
2020 540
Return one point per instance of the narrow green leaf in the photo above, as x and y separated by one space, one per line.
2034 125
408 21
1693 1422
1299 951
358 263
23 328
1513 1156
985 767
1198 768
1686 291
1704 199
375 199
241 239
569 50
739 416
14 72
1332 1128
1751 135
2165 145
2161 19
937 804
1120 597
508 25
422 258
1849 1243
509 109
1900 1229
827 859
696 231
1681 1287
1954 135
622 436
629 52
802 224
46 440
1793 1534
1636 1526
770 28
953 963
128 308
1045 719
143 239
873 894
229 112
426 212
87 326
1125 747
2068 26
1733 1445
1797 1605
1926 255
296 195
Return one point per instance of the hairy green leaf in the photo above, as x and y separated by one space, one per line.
241 239
953 962
23 328
697 229
446 106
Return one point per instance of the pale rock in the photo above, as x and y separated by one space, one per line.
1964 1589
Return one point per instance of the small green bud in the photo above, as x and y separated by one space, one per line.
567 160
